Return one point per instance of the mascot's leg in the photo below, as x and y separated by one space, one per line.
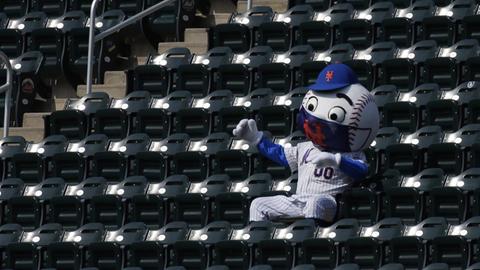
320 207
264 208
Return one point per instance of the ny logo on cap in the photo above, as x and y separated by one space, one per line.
329 75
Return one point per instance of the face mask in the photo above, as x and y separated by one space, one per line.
329 135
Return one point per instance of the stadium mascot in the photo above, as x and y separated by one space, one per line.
339 118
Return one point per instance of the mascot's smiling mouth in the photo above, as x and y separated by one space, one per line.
314 134
329 135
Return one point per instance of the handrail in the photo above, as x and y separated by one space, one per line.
7 88
249 4
92 38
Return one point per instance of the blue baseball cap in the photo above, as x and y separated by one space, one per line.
334 76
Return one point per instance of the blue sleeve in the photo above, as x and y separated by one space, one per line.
356 169
272 151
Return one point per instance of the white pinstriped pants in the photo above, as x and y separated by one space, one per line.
318 206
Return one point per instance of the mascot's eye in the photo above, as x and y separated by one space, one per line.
311 104
337 114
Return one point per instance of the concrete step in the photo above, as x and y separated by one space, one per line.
113 90
220 18
115 77
30 134
196 40
34 120
277 5
141 61
196 35
59 104
194 47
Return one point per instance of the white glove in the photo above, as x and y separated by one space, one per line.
247 130
325 159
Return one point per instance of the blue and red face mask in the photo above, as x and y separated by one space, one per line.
327 135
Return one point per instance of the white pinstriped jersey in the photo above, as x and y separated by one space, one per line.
317 180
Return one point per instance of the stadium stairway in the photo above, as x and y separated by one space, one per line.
196 40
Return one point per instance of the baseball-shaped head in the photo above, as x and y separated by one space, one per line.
338 114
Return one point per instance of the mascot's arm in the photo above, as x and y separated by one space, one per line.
356 169
272 151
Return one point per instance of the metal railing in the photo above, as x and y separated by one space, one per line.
7 89
249 4
92 38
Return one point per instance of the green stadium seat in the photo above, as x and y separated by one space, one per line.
67 211
108 210
148 209
359 203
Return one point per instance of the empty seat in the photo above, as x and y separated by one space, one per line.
236 164
175 143
192 164
194 78
195 122
360 203
27 253
14 9
316 34
149 209
402 115
112 122
337 13
110 165
89 104
70 166
214 58
88 188
403 202
276 35
279 251
165 24
73 124
275 119
108 210
151 165
398 30
439 28
320 252
444 113
30 167
446 156
407 250
254 17
357 32
129 187
131 145
151 78
448 202
366 252
233 35
67 252
25 211
173 102
235 253
195 252
67 211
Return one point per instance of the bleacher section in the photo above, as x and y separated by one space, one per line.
144 172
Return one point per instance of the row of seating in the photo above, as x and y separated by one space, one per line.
411 198
169 22
211 116
134 244
321 5
383 63
343 24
